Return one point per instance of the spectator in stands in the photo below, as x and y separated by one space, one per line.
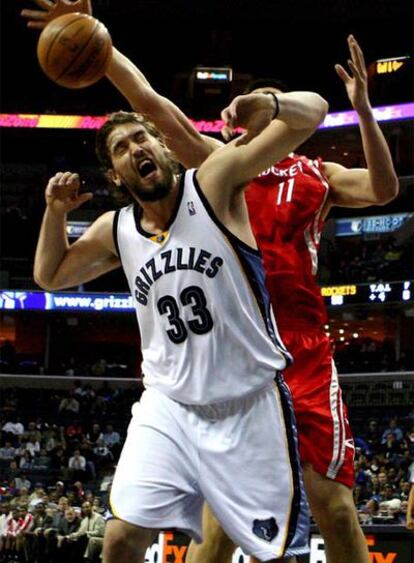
22 482
33 445
13 428
112 439
394 430
4 513
69 405
42 461
91 527
74 431
42 520
95 434
97 506
21 499
66 550
77 466
36 496
13 470
7 452
26 461
33 431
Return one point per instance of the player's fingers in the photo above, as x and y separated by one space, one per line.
227 132
359 53
341 72
84 197
227 116
34 14
37 25
355 70
68 178
44 4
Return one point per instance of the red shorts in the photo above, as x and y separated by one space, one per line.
325 437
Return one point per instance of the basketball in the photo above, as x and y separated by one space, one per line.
74 50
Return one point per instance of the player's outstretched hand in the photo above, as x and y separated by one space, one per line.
356 84
51 9
252 112
62 193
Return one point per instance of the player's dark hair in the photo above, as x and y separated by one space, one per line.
266 83
120 194
115 119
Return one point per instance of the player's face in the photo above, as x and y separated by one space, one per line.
140 162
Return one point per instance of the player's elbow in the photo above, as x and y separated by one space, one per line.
320 108
390 191
43 282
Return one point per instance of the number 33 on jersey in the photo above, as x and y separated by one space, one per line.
207 332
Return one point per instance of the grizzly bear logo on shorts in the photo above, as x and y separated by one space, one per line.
265 529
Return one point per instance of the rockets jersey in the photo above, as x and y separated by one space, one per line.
204 313
285 204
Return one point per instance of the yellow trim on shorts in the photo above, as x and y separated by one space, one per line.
114 512
277 396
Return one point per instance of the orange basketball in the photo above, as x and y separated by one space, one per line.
74 50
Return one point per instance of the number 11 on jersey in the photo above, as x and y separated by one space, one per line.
285 196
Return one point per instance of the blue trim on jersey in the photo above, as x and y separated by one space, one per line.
115 231
298 528
251 261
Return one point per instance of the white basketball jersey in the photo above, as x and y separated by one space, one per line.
207 331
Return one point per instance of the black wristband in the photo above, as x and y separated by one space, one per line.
276 112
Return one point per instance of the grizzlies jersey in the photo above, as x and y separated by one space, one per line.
204 314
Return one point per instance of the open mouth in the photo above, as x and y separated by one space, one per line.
146 167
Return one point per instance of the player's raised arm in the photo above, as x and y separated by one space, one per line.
378 184
59 265
190 148
295 115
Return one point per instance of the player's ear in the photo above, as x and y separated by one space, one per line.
113 177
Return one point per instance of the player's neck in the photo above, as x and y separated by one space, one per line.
156 215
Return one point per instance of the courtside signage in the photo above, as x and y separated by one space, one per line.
334 295
338 119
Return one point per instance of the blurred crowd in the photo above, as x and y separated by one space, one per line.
56 467
58 453
349 261
384 470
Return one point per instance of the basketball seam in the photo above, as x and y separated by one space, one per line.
80 52
57 37
105 60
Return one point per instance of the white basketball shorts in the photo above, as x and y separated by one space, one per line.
239 456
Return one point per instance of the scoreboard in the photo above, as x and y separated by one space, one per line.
367 294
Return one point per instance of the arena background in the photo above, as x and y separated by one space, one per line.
87 350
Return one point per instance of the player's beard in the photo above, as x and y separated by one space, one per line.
159 190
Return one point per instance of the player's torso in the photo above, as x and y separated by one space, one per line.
285 205
201 304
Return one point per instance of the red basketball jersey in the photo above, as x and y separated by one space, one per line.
285 204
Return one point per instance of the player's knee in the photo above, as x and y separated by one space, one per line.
123 541
341 516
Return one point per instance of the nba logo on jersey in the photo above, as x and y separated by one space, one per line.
191 208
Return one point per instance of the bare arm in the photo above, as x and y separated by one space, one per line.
235 164
187 144
59 265
378 184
